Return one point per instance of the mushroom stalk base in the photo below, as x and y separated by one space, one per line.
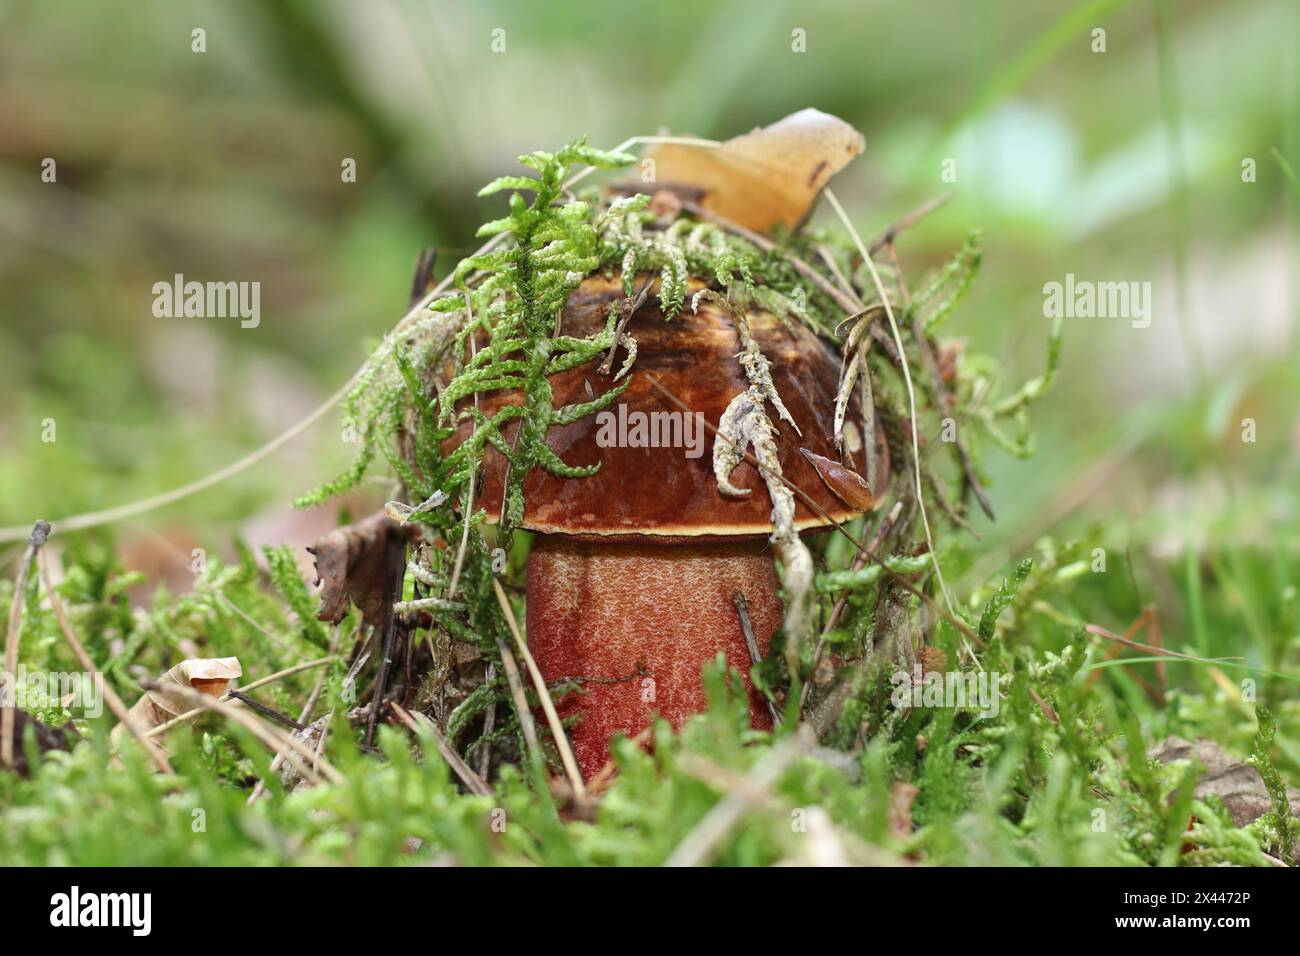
638 622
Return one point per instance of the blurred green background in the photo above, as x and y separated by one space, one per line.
1119 165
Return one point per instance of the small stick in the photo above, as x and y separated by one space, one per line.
40 531
268 712
389 642
464 537
891 231
859 562
747 628
548 706
423 280
1100 631
255 624
521 706
303 717
630 308
1044 706
489 721
297 752
473 781
911 393
941 392
114 702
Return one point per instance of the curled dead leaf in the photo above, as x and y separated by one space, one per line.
207 675
1236 782
769 177
360 563
845 483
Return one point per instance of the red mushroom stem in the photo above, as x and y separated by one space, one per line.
638 622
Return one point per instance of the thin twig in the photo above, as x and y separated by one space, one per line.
859 562
424 267
389 642
269 679
270 713
40 531
526 722
489 722
473 781
751 641
544 695
911 392
114 702
254 623
464 537
942 395
1100 631
630 307
303 717
273 738
910 219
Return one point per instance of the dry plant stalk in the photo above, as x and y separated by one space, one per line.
548 706
299 756
35 541
114 702
476 784
262 682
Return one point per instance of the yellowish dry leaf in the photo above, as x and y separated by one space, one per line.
208 675
769 177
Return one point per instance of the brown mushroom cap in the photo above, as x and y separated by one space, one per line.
660 493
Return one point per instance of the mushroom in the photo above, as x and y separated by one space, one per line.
633 573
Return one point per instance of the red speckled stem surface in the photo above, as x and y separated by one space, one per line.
639 622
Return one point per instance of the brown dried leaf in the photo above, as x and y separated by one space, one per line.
768 177
360 562
208 675
845 483
1235 781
